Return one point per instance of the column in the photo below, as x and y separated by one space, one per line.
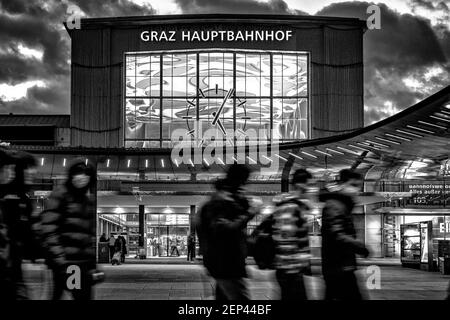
93 191
142 225
286 172
192 219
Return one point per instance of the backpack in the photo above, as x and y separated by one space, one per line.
261 245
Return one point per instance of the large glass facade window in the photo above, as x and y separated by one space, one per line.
250 90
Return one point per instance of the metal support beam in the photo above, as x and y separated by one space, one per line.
359 160
285 174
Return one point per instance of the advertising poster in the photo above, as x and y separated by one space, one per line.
424 242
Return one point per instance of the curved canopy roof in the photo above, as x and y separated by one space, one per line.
412 144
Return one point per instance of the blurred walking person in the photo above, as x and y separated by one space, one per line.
103 238
17 236
221 229
112 246
68 231
122 247
290 236
191 247
339 243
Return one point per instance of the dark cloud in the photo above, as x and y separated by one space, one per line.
35 33
38 25
53 95
433 5
439 11
109 8
41 100
236 6
407 47
401 53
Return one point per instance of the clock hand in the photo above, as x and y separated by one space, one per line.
228 95
221 127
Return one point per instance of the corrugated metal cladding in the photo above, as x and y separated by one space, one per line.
335 46
59 121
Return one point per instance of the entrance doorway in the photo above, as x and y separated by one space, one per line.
167 235
167 241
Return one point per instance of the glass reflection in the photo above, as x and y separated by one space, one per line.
263 82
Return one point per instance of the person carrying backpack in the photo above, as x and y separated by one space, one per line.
289 232
221 229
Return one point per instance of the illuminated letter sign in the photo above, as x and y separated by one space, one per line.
444 227
216 35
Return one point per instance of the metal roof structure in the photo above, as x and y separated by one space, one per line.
418 138
57 120
413 144
118 22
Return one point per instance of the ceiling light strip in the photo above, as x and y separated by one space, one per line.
397 137
432 124
280 157
335 151
378 144
351 145
309 154
295 156
419 129
348 150
322 152
250 159
387 140
439 118
365 144
409 133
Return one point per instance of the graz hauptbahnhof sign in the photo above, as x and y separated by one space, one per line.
216 35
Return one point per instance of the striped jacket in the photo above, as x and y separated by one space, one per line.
290 234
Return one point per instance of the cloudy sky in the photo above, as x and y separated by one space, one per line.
405 61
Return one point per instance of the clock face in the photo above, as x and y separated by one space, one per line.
215 109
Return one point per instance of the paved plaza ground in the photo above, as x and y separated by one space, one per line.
144 281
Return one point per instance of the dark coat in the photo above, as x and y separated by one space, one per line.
191 241
339 243
17 216
121 245
68 229
17 241
221 229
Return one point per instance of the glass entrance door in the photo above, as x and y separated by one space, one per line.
167 235
172 241
178 240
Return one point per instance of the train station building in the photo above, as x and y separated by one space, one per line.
279 92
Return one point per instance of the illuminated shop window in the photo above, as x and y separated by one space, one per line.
258 90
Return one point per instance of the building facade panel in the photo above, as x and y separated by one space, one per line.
98 87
